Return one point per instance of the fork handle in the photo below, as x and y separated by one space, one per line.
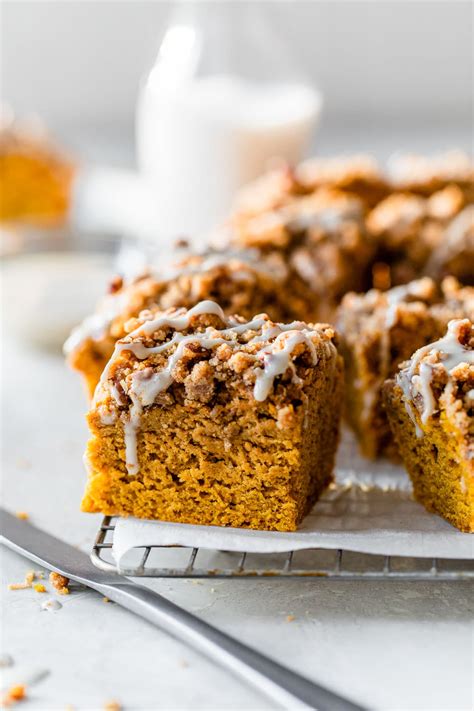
284 686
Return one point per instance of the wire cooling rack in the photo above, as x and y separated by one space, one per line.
184 562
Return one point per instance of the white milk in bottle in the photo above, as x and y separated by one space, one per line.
222 99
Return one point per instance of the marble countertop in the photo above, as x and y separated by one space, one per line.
384 644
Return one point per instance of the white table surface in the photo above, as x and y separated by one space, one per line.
388 645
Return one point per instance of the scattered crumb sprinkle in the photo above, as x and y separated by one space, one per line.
22 515
39 587
60 583
19 586
6 661
28 583
16 693
290 618
105 599
112 706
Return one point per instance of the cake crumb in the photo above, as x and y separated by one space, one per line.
60 583
40 588
28 583
112 706
14 694
290 618
106 599
19 586
22 515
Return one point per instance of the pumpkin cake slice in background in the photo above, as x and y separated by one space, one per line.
35 177
430 406
322 238
379 330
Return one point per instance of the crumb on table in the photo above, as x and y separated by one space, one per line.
14 694
112 706
40 588
22 515
60 583
28 582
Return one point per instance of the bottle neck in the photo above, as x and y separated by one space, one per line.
235 38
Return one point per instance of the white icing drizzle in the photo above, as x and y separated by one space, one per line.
277 361
451 354
145 385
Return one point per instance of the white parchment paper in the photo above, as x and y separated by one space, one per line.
369 510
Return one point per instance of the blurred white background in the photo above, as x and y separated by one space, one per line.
394 74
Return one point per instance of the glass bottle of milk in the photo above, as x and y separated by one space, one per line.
222 99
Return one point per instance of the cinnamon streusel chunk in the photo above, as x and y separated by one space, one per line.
378 331
208 419
430 404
